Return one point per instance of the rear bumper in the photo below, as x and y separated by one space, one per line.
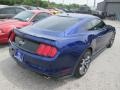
3 38
62 66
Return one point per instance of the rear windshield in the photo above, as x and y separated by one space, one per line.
56 23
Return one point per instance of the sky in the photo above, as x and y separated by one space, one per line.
81 2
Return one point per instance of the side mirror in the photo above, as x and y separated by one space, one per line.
109 27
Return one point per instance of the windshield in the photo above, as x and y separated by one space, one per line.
24 16
56 23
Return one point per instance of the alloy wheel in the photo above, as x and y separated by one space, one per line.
85 62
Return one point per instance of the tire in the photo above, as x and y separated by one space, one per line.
84 64
111 41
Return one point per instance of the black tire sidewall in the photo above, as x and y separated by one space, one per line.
76 73
111 44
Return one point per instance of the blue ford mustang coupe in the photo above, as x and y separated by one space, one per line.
61 45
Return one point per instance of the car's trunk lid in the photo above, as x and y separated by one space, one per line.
30 41
43 33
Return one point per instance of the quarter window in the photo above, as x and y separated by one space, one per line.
95 24
100 25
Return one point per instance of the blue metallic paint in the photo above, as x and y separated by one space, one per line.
70 47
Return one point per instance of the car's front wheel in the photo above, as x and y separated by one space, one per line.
84 64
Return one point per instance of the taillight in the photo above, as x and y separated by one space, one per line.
46 50
12 36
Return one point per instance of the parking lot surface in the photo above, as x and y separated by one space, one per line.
103 74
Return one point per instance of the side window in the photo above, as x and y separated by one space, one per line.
11 11
41 16
3 11
8 11
98 24
95 24
101 25
18 10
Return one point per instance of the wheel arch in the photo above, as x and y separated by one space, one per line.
90 48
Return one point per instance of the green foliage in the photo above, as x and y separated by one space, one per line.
40 3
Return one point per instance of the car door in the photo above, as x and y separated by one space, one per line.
101 33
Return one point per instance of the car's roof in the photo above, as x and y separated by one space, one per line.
79 16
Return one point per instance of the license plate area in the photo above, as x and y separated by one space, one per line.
19 56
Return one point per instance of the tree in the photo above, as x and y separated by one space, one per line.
41 3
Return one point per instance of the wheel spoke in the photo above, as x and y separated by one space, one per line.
85 63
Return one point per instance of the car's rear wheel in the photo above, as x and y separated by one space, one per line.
84 64
111 41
